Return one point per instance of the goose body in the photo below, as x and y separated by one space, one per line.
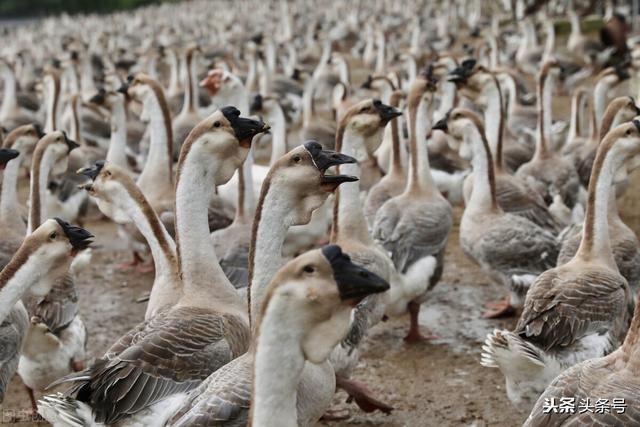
574 312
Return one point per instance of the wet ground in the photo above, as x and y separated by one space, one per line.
439 383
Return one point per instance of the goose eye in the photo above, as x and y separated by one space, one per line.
363 110
216 125
53 235
296 158
308 269
108 173
628 132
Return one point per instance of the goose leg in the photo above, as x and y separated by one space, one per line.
135 261
414 334
32 397
359 393
500 308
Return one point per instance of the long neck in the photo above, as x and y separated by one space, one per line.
9 102
420 178
9 206
595 242
512 93
395 168
348 217
40 168
600 101
174 74
447 100
52 94
278 134
190 87
575 23
545 91
380 56
494 120
245 203
575 126
307 103
75 121
270 225
483 196
86 77
118 140
202 277
157 169
550 43
631 347
279 362
16 278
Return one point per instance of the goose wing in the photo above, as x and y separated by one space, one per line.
524 202
58 308
592 379
563 306
412 231
222 399
170 353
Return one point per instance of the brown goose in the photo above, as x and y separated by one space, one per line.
208 318
579 310
512 249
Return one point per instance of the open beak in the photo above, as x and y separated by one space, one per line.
78 237
92 171
386 112
354 282
244 128
38 130
98 98
324 159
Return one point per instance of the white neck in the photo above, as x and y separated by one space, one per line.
447 99
251 82
190 88
575 23
574 123
245 205
278 134
544 122
51 100
493 116
86 78
166 284
156 172
350 216
33 271
174 74
202 277
9 207
278 365
481 197
271 231
380 57
600 101
550 43
419 170
9 102
307 102
118 140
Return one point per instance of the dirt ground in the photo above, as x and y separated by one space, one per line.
439 383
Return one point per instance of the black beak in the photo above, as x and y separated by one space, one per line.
38 130
92 171
636 123
441 125
256 105
70 143
245 129
386 112
354 282
622 73
324 159
367 84
78 237
98 98
7 154
124 88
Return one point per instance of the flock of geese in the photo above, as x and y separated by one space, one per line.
289 171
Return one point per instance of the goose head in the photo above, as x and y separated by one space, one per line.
470 78
320 286
612 76
223 137
626 108
457 123
142 88
107 99
24 139
110 186
49 249
55 146
368 118
221 83
302 174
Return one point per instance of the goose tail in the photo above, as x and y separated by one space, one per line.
511 354
64 411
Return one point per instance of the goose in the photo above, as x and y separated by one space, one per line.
314 127
576 137
613 378
588 50
208 317
156 178
43 258
268 107
315 294
51 95
295 186
13 218
511 248
115 101
12 114
416 223
512 193
188 116
393 183
57 311
118 196
578 310
548 172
